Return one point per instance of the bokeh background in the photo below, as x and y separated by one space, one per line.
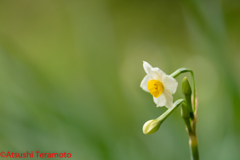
70 74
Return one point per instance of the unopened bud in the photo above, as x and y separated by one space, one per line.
187 91
186 88
184 111
151 126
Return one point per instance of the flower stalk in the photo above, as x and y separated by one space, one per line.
152 126
193 143
190 120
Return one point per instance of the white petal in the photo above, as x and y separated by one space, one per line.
158 74
170 83
160 101
169 98
143 84
147 67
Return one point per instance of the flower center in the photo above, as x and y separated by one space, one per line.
155 87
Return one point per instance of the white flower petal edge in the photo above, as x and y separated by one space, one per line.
160 101
155 72
169 98
170 83
147 67
143 84
166 99
158 74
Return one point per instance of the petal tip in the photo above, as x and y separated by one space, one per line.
147 67
159 106
145 63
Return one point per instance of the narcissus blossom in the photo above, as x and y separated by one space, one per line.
160 85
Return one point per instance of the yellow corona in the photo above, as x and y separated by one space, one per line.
155 87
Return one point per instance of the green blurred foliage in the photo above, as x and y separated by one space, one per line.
70 74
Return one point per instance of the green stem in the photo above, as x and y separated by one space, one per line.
188 124
170 110
184 70
193 143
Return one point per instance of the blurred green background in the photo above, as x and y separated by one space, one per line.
70 74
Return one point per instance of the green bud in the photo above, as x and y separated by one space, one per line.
184 111
151 126
186 88
186 117
187 91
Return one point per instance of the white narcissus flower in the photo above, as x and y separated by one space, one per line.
160 85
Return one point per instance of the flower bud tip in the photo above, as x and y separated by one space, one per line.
151 126
186 88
